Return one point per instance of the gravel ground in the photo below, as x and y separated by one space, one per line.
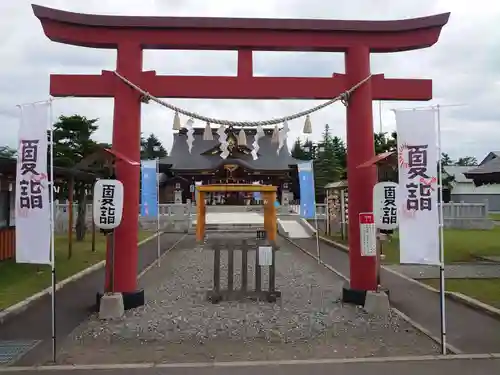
179 325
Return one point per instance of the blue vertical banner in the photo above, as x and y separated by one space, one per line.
307 191
149 189
257 196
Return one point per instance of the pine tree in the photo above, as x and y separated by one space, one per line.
151 148
340 151
327 167
309 150
298 150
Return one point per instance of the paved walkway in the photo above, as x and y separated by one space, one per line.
467 329
452 271
74 304
233 218
407 367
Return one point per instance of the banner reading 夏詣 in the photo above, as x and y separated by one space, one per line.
418 187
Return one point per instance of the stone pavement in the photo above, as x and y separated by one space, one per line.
469 330
407 367
178 324
452 271
74 303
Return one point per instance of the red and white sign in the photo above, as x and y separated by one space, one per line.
368 234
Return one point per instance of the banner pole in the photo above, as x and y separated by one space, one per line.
317 232
158 249
315 213
342 215
327 209
441 238
112 273
52 223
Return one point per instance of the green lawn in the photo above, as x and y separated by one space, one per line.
459 245
19 281
494 216
484 290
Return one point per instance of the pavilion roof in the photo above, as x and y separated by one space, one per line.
488 173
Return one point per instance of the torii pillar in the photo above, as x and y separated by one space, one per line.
130 35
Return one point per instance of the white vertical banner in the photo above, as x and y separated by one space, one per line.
33 228
418 187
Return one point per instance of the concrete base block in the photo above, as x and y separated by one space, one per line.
377 303
111 306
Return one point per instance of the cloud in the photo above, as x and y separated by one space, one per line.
464 65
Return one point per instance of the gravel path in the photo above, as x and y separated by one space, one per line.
179 325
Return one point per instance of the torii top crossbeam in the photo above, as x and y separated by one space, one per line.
257 34
102 31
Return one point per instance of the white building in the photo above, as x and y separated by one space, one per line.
464 190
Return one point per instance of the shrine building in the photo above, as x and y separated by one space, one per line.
204 165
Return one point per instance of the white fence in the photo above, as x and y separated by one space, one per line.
456 215
450 210
169 214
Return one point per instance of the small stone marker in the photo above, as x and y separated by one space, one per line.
377 303
111 306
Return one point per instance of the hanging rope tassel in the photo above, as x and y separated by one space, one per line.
275 137
307 126
177 122
223 142
242 138
258 134
207 134
283 135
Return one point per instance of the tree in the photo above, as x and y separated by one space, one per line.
7 152
72 143
446 159
309 150
151 148
467 161
384 143
298 151
326 165
340 152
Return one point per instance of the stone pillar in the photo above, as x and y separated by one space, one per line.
285 198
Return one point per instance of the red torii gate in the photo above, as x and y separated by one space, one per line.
130 35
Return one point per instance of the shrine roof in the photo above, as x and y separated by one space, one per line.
112 21
181 159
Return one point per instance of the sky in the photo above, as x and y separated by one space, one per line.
464 66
